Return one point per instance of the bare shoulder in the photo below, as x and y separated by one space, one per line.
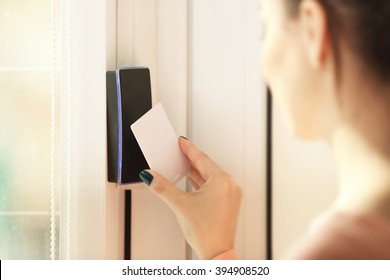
343 236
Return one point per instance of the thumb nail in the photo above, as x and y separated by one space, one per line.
146 177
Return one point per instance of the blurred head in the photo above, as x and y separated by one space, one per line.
315 50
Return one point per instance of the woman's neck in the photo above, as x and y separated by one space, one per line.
361 145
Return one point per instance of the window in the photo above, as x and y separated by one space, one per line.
29 123
52 121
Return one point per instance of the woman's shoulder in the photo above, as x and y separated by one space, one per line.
344 236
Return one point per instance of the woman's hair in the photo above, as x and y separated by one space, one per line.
366 26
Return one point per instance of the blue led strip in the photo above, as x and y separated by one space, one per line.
119 95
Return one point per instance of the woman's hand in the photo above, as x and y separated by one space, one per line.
207 216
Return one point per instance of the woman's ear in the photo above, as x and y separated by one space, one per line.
315 32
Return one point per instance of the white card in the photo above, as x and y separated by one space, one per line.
159 144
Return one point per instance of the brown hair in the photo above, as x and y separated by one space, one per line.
366 26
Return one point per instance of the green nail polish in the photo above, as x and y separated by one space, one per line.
146 177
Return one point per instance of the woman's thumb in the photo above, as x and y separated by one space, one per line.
162 188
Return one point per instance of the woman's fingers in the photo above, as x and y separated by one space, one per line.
196 179
198 160
195 187
161 187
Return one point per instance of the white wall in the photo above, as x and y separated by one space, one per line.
228 105
83 130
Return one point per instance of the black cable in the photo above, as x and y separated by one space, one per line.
269 177
127 249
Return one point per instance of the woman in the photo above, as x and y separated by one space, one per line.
328 65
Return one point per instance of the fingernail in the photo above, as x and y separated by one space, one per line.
146 177
183 137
